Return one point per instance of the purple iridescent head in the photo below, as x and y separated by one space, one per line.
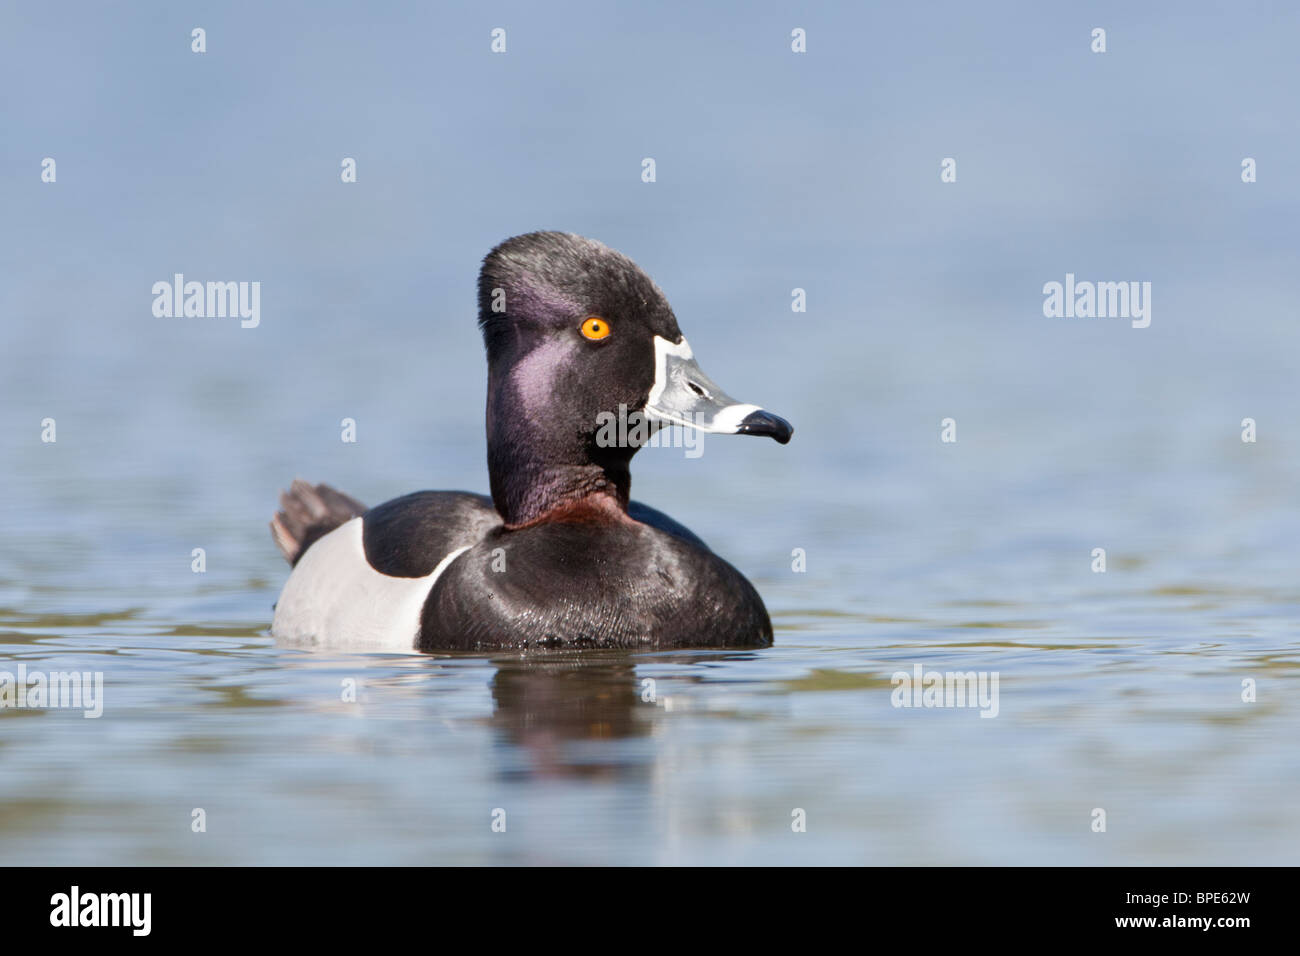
575 332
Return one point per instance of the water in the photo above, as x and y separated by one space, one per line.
1120 691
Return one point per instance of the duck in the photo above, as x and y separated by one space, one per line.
578 338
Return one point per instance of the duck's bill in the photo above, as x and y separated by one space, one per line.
684 395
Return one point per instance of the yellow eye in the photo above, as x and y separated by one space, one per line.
595 328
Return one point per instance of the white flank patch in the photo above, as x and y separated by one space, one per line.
335 599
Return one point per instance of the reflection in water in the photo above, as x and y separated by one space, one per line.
550 704
567 712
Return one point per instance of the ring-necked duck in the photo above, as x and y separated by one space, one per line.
577 337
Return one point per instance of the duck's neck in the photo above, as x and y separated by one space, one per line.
547 468
530 492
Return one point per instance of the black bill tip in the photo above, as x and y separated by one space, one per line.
765 423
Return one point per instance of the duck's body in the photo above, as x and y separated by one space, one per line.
558 556
433 570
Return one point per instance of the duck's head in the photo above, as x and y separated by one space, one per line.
576 334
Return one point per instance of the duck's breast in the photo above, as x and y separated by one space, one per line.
567 584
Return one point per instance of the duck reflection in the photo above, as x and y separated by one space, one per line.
559 708
578 713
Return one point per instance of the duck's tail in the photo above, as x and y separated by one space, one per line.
309 513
